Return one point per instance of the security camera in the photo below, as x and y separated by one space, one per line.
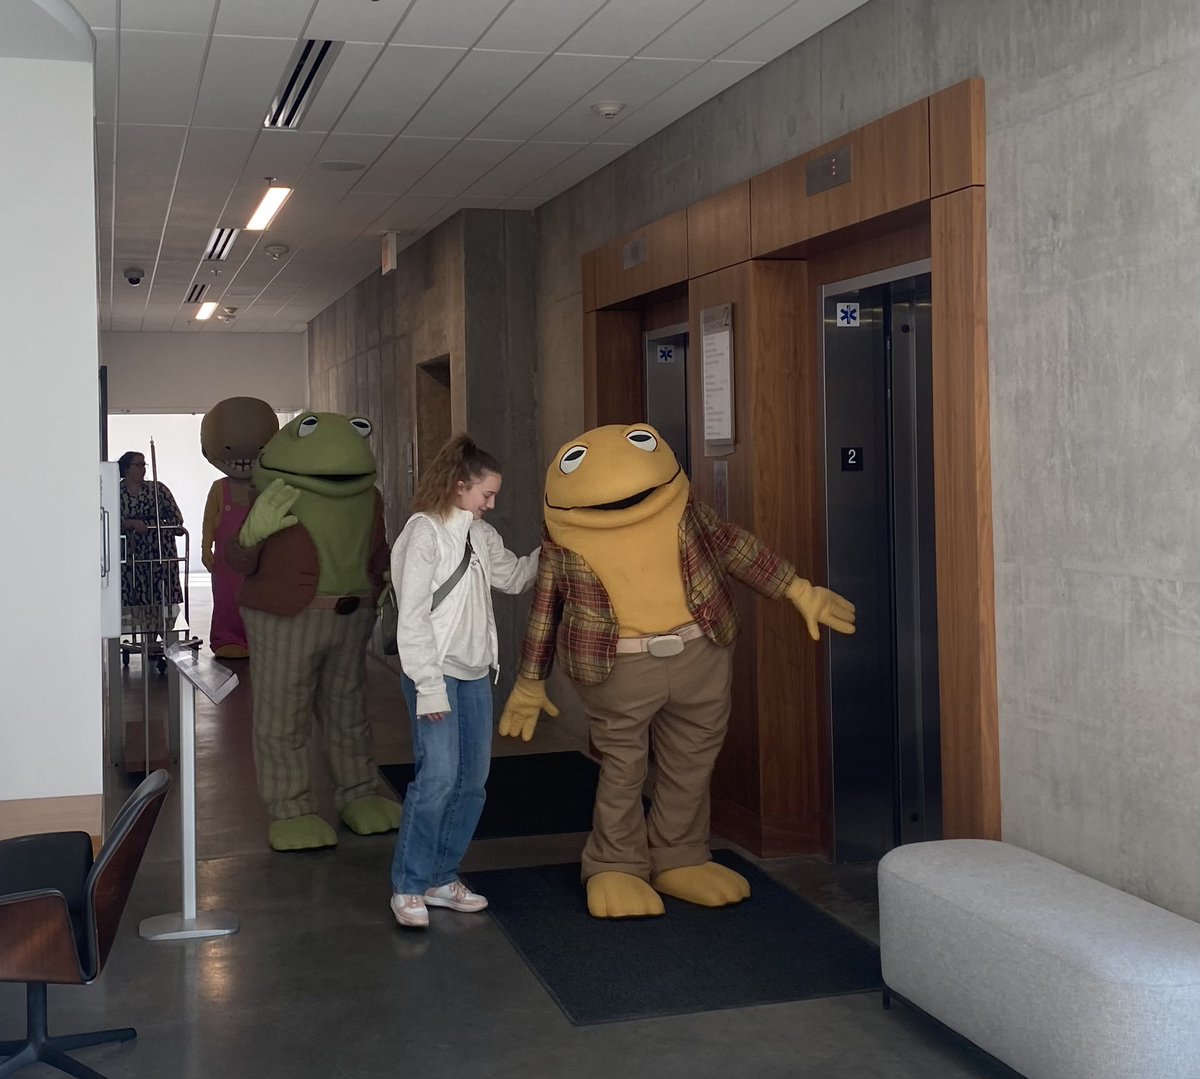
134 275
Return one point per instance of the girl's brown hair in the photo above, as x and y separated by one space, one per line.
458 460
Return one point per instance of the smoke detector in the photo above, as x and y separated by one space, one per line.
607 110
276 251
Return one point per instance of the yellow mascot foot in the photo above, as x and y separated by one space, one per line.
620 895
308 832
371 815
707 885
231 651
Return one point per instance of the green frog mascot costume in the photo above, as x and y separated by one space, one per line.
633 594
313 553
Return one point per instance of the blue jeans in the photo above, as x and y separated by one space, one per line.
445 798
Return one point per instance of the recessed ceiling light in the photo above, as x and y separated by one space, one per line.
268 208
341 166
206 310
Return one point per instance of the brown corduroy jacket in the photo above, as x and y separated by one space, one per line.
281 573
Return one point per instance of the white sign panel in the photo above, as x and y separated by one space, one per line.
716 326
847 315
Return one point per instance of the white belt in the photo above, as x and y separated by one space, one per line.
661 644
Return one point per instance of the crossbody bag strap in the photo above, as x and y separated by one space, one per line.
447 586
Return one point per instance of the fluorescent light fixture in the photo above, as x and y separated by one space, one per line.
206 310
268 208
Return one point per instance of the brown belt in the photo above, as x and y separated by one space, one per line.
661 644
341 604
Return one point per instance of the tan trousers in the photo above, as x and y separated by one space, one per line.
310 665
680 706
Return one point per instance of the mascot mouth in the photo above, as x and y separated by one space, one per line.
346 477
621 503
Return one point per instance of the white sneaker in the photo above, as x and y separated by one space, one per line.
410 910
456 896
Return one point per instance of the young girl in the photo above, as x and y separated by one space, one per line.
444 565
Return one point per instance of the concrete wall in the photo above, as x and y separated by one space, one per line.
462 292
1094 224
191 372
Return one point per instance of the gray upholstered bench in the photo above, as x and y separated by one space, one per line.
1052 972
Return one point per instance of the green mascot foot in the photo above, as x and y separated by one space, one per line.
620 895
371 815
707 885
308 832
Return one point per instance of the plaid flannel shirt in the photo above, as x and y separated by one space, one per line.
572 611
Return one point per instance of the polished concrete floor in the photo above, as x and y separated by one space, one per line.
320 983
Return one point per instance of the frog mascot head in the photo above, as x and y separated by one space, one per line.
232 435
313 554
633 597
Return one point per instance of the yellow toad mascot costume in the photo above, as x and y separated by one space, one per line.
633 591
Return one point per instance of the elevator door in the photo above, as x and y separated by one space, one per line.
666 388
879 483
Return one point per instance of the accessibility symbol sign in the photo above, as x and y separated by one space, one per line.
847 314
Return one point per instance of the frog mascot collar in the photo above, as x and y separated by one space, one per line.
313 553
232 435
633 595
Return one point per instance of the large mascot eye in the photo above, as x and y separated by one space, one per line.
363 427
572 459
308 426
643 440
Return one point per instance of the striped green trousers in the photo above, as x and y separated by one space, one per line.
310 667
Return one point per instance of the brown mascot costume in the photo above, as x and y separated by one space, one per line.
232 435
633 592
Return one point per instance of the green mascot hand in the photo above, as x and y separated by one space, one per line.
820 607
527 699
269 514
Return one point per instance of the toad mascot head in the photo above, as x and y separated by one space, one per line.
633 599
232 435
313 553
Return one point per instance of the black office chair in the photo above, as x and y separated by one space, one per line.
59 913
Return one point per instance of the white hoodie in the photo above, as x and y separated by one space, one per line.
459 638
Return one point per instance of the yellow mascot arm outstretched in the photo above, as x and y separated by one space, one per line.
820 607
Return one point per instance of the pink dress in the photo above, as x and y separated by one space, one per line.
227 629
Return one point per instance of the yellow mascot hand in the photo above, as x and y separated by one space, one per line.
820 607
269 514
527 699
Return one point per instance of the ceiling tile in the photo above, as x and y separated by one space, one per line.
177 16
106 70
263 18
283 154
408 214
634 83
538 25
529 162
404 163
557 84
784 32
240 77
467 96
522 202
342 146
340 85
625 26
396 88
145 96
435 22
147 158
577 167
713 27
337 20
462 166
701 85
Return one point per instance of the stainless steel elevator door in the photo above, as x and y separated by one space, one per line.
879 516
666 388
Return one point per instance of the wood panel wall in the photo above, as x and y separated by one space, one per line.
917 191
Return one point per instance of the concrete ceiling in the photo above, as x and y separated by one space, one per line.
445 104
